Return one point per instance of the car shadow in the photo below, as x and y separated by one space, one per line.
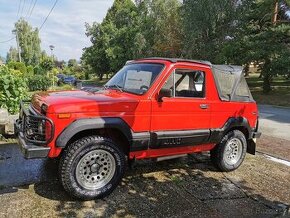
178 187
183 187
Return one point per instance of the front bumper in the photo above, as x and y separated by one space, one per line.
30 147
31 151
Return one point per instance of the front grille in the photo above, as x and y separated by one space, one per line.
36 128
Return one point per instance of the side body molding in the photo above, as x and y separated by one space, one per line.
95 123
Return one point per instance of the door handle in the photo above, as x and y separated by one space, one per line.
203 106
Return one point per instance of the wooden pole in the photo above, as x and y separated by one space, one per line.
275 12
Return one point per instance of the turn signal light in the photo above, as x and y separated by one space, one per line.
63 116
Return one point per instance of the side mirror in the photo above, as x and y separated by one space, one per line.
164 93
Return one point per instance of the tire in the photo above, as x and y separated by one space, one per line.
229 154
91 167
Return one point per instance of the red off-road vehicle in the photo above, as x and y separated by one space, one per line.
151 108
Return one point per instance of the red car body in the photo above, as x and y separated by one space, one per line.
149 120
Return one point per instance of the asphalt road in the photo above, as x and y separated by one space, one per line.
275 121
185 187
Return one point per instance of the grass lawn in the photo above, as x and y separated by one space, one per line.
280 95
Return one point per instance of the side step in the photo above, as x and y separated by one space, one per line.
170 157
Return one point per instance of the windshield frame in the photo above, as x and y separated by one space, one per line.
106 86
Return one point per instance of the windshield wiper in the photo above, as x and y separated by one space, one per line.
112 86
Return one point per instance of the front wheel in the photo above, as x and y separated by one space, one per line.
91 167
229 154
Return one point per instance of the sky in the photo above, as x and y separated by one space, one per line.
64 28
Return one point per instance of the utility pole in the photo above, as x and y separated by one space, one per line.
17 42
51 49
275 12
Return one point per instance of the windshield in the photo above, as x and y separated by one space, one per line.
135 78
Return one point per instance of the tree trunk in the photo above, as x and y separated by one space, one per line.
101 76
267 83
246 70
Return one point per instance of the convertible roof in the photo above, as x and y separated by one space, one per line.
229 79
226 68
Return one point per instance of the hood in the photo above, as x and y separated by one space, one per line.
82 101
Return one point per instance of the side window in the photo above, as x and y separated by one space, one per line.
169 83
188 83
243 89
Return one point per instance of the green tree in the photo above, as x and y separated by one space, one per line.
130 31
159 28
46 64
207 26
29 42
12 55
72 63
262 39
112 39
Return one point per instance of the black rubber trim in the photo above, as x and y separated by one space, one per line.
89 124
140 141
169 139
31 151
233 122
251 146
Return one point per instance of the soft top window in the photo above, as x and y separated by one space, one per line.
231 83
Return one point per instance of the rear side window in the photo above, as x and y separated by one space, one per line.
243 89
186 83
226 82
231 84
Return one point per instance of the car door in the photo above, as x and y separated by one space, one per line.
184 118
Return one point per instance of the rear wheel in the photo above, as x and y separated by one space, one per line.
91 167
229 154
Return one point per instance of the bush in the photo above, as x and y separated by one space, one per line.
38 70
18 66
38 83
30 70
13 89
65 87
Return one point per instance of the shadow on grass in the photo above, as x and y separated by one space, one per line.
184 187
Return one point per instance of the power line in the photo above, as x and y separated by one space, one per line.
8 40
22 8
29 8
30 14
19 8
32 8
48 15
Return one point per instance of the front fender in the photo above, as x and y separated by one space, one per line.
95 123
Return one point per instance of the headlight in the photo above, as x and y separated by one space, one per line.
41 127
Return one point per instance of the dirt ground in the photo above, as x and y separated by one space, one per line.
184 187
274 146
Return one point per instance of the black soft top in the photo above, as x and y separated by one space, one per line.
230 81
